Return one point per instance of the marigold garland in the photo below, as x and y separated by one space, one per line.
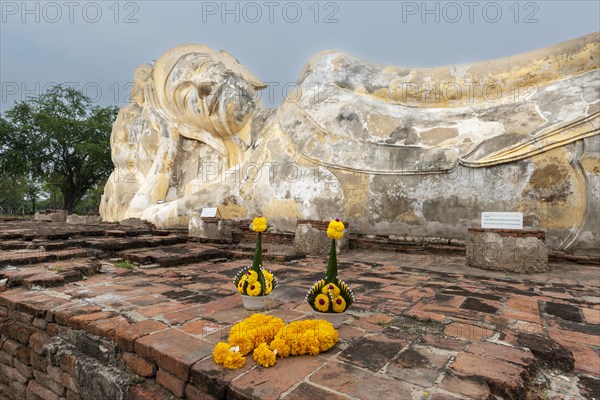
312 336
234 360
264 356
269 337
281 347
229 356
220 352
254 330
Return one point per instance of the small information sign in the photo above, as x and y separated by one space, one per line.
502 220
209 213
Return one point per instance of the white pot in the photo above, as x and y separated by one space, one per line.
254 302
336 319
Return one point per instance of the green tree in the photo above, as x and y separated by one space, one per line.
61 139
18 183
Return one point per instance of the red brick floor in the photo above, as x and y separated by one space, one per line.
422 327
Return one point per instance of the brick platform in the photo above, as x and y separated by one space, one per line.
423 326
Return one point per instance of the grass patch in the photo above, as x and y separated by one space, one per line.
57 268
384 324
124 264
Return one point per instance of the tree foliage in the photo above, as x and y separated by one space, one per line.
58 140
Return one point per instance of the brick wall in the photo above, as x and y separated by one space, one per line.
25 371
80 353
66 349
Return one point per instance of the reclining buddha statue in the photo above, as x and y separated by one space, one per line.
393 150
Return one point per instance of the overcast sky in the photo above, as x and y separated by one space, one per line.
96 45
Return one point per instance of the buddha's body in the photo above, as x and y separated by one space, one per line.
395 151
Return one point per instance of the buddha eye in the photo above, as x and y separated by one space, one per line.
205 88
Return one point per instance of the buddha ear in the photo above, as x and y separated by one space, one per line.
234 65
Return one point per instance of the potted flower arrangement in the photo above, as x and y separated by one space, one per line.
254 282
331 297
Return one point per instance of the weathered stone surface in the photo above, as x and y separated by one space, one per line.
148 390
139 365
564 311
312 241
83 219
387 147
590 387
546 350
373 352
307 391
503 378
210 229
52 216
269 383
210 378
471 387
171 382
173 350
90 361
503 251
419 366
357 383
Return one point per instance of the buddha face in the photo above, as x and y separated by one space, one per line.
209 95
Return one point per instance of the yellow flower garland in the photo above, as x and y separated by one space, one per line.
220 352
264 356
234 360
268 336
254 330
311 336
228 355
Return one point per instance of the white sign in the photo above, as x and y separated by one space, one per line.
502 220
209 212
